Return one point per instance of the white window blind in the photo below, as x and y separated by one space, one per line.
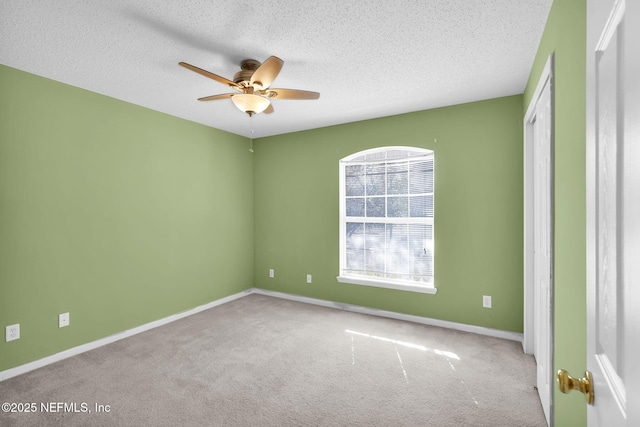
386 214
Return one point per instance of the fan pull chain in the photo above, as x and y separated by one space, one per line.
252 132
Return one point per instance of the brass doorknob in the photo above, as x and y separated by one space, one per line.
584 385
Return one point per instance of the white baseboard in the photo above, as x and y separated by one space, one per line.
498 333
18 370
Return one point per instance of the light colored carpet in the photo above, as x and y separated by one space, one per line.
264 361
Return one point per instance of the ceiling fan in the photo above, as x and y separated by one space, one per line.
253 83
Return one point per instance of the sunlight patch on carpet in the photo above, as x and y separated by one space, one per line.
447 354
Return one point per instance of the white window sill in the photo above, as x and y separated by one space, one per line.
389 284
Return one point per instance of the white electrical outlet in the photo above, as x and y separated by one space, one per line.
63 320
12 332
308 278
486 301
272 273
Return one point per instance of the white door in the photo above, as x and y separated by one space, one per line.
613 211
542 245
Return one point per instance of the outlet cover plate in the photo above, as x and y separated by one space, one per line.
12 332
486 301
272 273
63 320
308 278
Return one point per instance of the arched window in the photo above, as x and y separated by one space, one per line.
386 218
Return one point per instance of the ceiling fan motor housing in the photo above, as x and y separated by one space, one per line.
247 67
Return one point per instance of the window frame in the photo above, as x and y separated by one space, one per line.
389 283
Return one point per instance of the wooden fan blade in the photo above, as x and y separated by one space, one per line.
216 97
210 75
267 72
269 109
291 94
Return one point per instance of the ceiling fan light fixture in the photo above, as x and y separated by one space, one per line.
249 103
253 82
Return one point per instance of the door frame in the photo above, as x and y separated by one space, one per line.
530 321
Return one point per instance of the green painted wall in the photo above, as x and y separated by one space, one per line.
478 211
565 34
115 213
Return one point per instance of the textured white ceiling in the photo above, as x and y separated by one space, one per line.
368 59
